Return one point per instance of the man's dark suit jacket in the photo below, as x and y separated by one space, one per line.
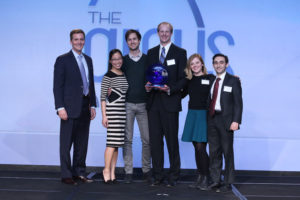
176 82
68 86
231 102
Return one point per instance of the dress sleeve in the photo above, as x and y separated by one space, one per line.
104 87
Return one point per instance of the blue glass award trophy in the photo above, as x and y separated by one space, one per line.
157 75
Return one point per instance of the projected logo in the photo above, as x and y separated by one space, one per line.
114 17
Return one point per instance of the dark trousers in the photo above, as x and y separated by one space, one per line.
76 132
220 143
163 123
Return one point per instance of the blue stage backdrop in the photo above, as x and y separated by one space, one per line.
261 38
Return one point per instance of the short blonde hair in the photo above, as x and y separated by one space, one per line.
188 70
165 23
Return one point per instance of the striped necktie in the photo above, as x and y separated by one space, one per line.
162 56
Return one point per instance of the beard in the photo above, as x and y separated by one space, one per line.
134 49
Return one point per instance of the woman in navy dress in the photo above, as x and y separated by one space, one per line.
195 128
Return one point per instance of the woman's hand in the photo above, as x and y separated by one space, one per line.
105 122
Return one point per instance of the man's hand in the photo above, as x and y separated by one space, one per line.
165 88
148 86
63 114
105 122
234 126
93 113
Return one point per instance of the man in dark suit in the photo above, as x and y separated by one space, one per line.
75 102
164 104
225 116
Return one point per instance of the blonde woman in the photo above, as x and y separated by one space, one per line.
195 128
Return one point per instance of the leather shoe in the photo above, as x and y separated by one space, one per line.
83 179
214 185
147 177
156 182
114 181
128 178
171 183
204 184
224 189
68 181
197 183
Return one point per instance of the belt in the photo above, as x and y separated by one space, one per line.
86 97
218 112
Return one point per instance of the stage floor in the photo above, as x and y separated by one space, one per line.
41 185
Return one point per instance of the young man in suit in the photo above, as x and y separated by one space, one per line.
225 116
75 102
164 105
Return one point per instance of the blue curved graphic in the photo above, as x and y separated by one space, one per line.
93 2
196 13
213 47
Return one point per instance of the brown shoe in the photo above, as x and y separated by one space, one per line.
68 181
83 179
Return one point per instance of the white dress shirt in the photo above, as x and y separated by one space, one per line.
167 47
218 103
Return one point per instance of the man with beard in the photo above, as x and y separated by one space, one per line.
134 67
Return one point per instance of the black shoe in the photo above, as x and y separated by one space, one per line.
214 186
147 177
197 183
156 182
109 182
128 178
224 189
68 181
114 181
171 183
83 179
204 184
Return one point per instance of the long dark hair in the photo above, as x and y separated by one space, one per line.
111 53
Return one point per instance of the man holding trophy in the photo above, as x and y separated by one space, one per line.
164 102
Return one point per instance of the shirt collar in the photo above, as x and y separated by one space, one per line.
167 47
222 76
76 54
137 56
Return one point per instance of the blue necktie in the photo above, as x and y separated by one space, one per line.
83 76
162 56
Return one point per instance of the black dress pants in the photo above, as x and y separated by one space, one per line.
163 123
76 132
220 143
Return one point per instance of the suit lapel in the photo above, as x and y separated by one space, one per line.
212 83
89 65
156 53
222 89
170 54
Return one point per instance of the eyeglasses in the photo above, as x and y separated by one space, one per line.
116 59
